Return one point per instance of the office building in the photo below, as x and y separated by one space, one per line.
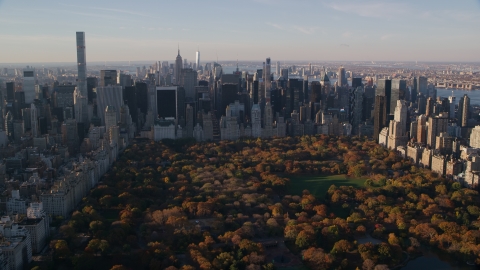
29 84
188 81
109 96
167 102
357 109
380 115
342 77
108 77
422 86
398 92
197 60
384 88
10 91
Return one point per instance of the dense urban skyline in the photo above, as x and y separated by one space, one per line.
323 30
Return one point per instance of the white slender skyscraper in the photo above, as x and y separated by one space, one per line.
81 64
80 96
197 59
266 79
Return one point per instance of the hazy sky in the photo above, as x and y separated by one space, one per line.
405 30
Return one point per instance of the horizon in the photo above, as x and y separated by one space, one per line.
429 31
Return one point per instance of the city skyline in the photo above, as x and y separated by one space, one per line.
328 31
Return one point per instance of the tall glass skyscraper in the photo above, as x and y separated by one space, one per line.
197 59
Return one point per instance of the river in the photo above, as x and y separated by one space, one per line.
474 95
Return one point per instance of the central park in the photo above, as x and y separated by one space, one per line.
281 203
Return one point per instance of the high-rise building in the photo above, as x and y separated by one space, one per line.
108 77
422 86
414 91
10 91
81 65
384 88
436 125
124 80
357 109
398 90
342 77
29 84
109 96
110 117
464 111
315 92
167 101
256 121
451 112
188 81
422 104
475 137
197 60
34 120
70 135
267 79
277 68
429 108
178 68
380 115
400 115
130 98
422 129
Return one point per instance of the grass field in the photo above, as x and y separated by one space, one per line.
319 185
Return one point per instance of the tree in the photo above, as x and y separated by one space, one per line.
317 259
368 264
223 261
118 267
61 249
341 247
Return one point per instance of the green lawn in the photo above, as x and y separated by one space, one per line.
318 185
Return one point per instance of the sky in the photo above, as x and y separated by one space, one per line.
284 30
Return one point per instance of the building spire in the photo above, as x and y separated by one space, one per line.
178 49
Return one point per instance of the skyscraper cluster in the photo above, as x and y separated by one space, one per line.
84 121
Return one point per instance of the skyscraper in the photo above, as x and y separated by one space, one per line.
267 79
384 88
464 110
197 59
188 80
451 112
110 117
380 115
400 115
29 84
81 64
178 68
342 77
422 86
109 96
108 77
10 91
357 108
